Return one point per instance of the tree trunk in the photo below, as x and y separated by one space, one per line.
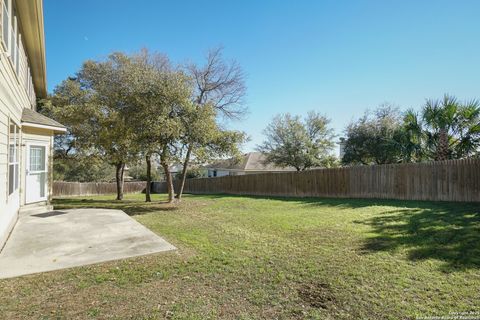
120 167
169 181
149 178
442 146
184 173
168 176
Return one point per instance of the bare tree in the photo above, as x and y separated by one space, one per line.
218 84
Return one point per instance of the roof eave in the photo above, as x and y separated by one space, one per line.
34 38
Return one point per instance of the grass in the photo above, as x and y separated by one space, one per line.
261 258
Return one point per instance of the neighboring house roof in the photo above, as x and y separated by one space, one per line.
252 161
34 119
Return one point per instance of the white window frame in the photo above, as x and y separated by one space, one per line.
15 157
6 10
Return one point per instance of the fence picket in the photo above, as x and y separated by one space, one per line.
451 180
63 189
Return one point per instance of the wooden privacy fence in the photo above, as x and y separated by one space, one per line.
451 180
62 189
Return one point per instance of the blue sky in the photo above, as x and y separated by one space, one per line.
338 57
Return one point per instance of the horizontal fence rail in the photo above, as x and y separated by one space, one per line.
451 180
64 189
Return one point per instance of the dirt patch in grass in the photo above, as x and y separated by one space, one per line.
316 294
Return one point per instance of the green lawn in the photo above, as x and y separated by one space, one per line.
261 258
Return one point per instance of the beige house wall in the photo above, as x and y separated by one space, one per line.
18 91
13 99
25 21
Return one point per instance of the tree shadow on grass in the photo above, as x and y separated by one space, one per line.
344 203
130 207
449 232
446 231
139 210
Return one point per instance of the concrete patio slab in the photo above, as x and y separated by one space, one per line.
71 238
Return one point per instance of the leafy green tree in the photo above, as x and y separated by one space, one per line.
410 138
443 129
191 173
446 128
376 138
138 171
302 144
92 106
204 139
81 168
218 90
159 100
64 144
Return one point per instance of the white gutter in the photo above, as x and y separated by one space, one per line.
43 126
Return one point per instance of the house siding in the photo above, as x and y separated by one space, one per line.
13 99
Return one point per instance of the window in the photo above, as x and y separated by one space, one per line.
37 158
13 158
13 42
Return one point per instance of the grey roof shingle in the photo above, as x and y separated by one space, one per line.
253 161
31 116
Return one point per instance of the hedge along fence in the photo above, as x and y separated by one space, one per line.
451 180
64 189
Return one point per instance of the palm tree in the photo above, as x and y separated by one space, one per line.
468 129
451 128
440 118
412 137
